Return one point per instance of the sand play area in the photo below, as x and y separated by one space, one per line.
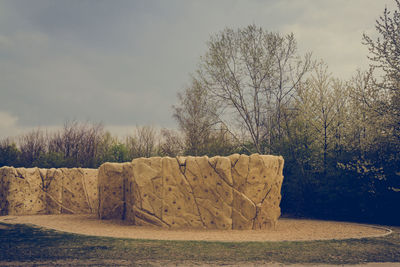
287 229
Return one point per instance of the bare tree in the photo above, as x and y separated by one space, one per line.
252 74
171 144
385 50
322 106
78 142
385 56
365 119
195 114
33 146
142 143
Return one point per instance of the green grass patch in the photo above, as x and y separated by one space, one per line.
27 243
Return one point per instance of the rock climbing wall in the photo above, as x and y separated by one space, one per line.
235 192
48 191
112 181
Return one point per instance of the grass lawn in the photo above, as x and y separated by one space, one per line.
22 243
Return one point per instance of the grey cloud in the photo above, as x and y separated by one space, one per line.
122 62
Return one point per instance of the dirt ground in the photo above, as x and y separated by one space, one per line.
287 229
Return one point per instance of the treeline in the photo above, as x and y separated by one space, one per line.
340 138
85 145
88 145
254 93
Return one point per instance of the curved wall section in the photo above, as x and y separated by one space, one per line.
29 191
234 192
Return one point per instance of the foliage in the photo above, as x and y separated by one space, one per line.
111 150
9 153
385 57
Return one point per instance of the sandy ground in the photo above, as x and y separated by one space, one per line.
287 229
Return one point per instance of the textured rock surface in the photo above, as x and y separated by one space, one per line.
47 191
111 182
235 192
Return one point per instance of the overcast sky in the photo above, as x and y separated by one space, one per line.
122 62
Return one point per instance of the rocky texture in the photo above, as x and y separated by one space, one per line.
48 191
235 192
111 187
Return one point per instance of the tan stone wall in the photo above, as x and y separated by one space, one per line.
48 191
235 192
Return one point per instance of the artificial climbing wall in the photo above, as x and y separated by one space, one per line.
235 192
48 191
